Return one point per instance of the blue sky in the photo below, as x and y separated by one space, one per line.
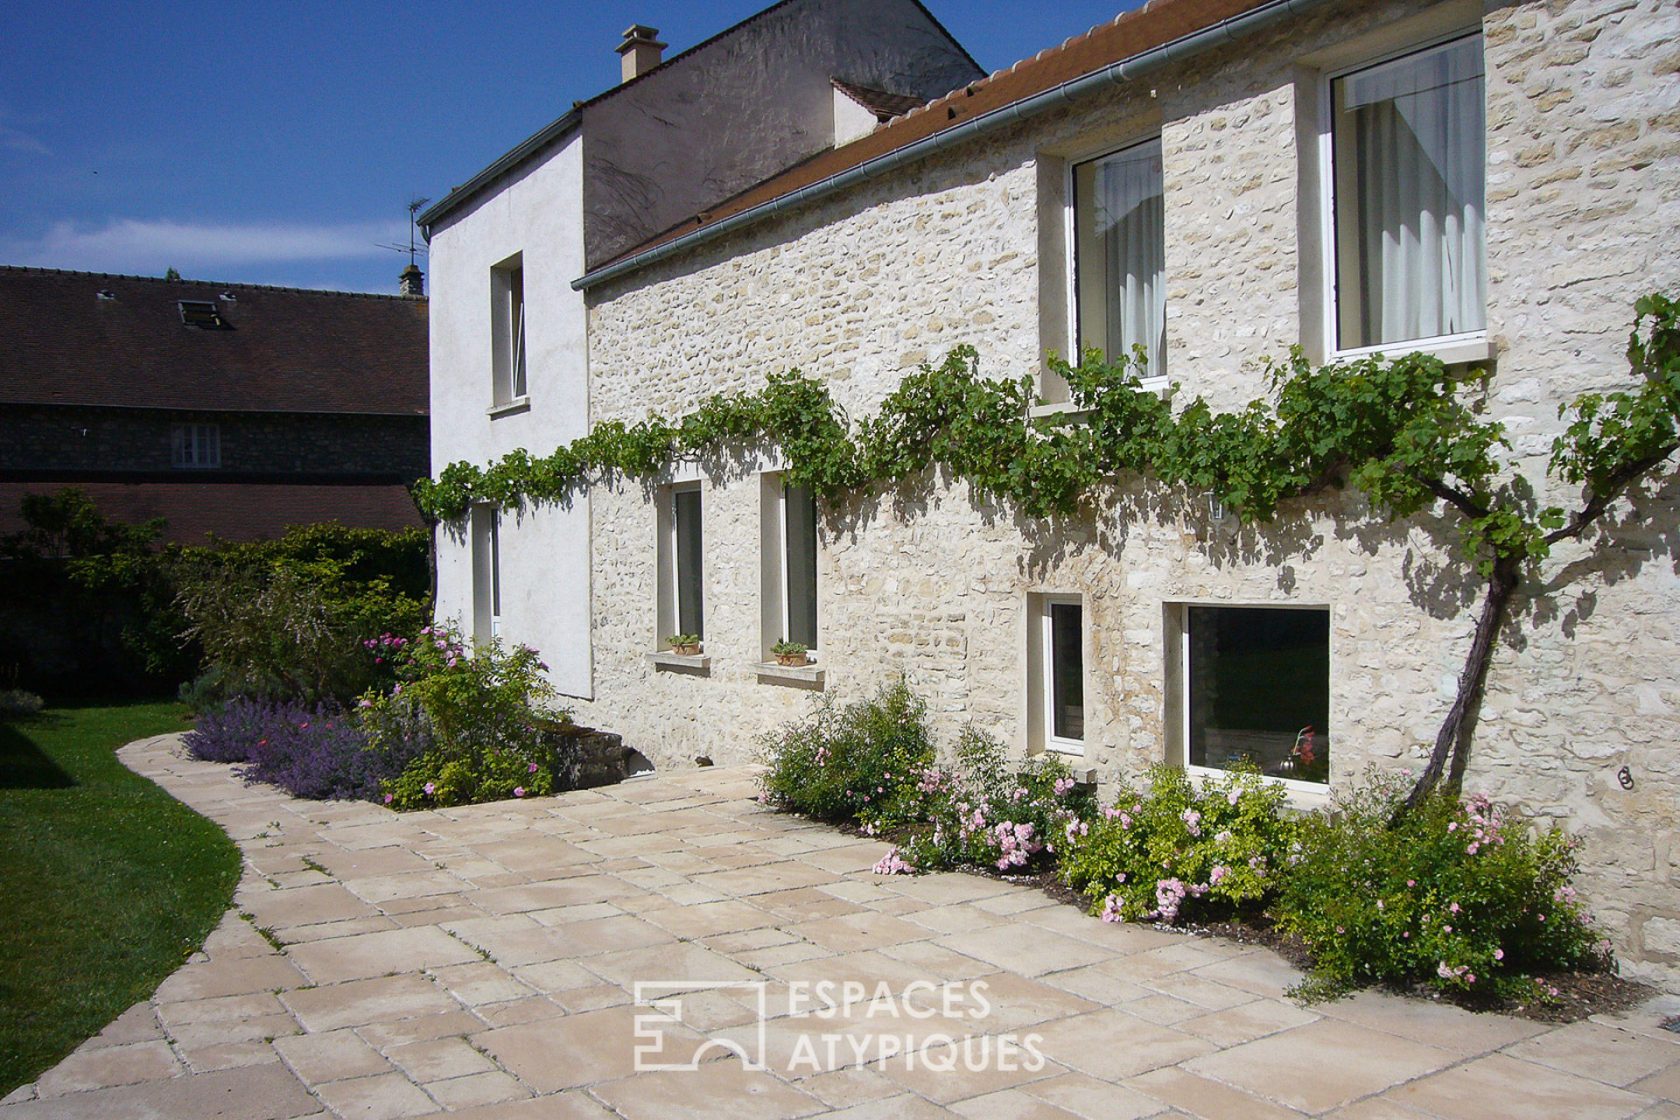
279 142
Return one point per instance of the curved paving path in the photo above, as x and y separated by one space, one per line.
483 961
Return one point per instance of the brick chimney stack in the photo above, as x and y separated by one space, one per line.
411 282
640 52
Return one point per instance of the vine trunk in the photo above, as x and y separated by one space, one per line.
1452 742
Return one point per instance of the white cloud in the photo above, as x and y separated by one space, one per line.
196 249
17 140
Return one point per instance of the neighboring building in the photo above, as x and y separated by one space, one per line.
1220 180
677 136
233 409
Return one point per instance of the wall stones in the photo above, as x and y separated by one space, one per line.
923 582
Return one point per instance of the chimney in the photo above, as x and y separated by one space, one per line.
411 283
640 52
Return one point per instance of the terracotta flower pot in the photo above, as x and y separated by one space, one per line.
686 651
793 660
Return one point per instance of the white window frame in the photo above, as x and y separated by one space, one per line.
1070 238
510 365
195 447
486 532
778 598
1041 667
669 590
1178 693
1467 346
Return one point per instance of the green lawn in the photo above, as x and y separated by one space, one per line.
106 882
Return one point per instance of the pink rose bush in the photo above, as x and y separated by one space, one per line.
1448 895
1177 848
471 719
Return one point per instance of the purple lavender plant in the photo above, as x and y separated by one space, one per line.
315 752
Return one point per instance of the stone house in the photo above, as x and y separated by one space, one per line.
1493 183
678 135
233 409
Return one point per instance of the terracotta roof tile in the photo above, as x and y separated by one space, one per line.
1156 23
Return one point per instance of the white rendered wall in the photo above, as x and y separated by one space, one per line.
538 213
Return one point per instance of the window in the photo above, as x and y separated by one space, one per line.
681 562
196 446
487 572
789 563
1119 257
1255 686
507 318
202 314
1407 144
1056 673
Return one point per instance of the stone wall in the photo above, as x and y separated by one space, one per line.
1583 178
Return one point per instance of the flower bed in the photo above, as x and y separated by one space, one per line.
455 726
1452 896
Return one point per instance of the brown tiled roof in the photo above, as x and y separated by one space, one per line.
1155 24
285 349
884 105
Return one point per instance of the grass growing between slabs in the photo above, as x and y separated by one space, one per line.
107 883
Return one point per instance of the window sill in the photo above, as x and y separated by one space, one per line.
790 674
509 408
1453 350
1160 386
1059 408
699 664
1305 796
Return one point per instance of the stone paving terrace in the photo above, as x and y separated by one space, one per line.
482 961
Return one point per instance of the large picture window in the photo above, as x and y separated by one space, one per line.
1119 267
1408 140
1257 689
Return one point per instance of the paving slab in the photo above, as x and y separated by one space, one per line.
1322 1065
484 961
1499 1086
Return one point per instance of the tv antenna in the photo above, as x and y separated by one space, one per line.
415 205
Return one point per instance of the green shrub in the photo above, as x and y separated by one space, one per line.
856 763
475 718
1182 847
90 602
983 811
1451 895
18 702
286 619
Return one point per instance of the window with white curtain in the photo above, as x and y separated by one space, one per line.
1120 298
1408 150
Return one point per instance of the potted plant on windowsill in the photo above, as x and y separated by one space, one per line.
791 654
686 645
